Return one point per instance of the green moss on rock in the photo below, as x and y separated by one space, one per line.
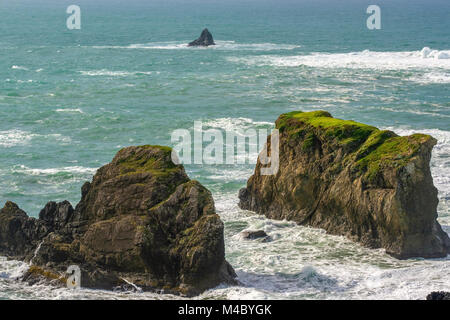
158 165
345 131
372 149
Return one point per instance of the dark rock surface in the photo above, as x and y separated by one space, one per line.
141 219
205 40
253 234
439 295
354 180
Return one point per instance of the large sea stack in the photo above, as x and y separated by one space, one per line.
141 220
205 40
352 179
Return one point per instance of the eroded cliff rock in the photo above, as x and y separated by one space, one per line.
354 180
140 220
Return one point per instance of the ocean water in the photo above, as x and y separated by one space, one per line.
70 99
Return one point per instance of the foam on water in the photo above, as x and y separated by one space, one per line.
236 124
77 110
434 65
220 45
105 72
19 68
355 60
53 171
14 137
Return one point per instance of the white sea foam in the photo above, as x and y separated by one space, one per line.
105 72
53 171
19 68
233 124
70 110
366 59
220 45
14 137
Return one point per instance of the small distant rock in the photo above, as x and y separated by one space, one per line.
205 40
254 234
439 295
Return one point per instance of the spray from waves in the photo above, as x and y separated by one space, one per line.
220 45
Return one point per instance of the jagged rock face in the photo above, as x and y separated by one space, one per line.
19 234
141 219
206 39
354 180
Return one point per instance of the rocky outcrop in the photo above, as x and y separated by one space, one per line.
141 220
205 40
354 180
439 295
255 234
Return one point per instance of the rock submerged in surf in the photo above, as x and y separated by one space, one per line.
255 234
352 179
205 40
140 221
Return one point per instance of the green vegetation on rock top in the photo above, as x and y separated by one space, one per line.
345 131
385 149
373 148
148 158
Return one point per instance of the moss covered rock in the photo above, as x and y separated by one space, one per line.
140 220
352 179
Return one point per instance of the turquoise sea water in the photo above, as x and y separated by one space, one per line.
70 99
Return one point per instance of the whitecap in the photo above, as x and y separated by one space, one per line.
52 171
105 72
18 67
14 137
70 110
220 45
391 60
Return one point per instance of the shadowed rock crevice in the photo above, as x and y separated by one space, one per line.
141 219
352 179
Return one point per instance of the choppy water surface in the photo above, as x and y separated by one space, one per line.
70 100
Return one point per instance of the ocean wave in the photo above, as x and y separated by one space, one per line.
366 59
220 45
431 77
105 72
70 110
54 171
15 67
303 262
14 137
233 124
